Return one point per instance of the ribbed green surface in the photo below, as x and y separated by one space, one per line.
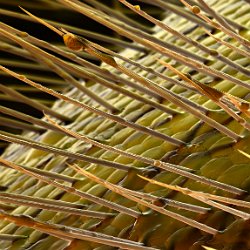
215 156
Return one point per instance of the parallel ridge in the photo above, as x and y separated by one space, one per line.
151 151
11 54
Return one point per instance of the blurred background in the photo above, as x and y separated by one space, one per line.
15 58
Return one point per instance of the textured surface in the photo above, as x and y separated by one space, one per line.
215 156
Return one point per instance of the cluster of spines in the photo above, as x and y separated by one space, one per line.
69 73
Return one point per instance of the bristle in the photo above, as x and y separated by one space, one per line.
120 16
117 119
86 33
149 84
67 233
170 167
207 199
44 23
42 124
210 52
211 93
19 125
15 199
208 248
45 201
244 153
22 141
229 45
49 61
129 32
123 192
21 98
216 25
141 148
215 15
177 10
55 176
86 74
152 44
72 190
